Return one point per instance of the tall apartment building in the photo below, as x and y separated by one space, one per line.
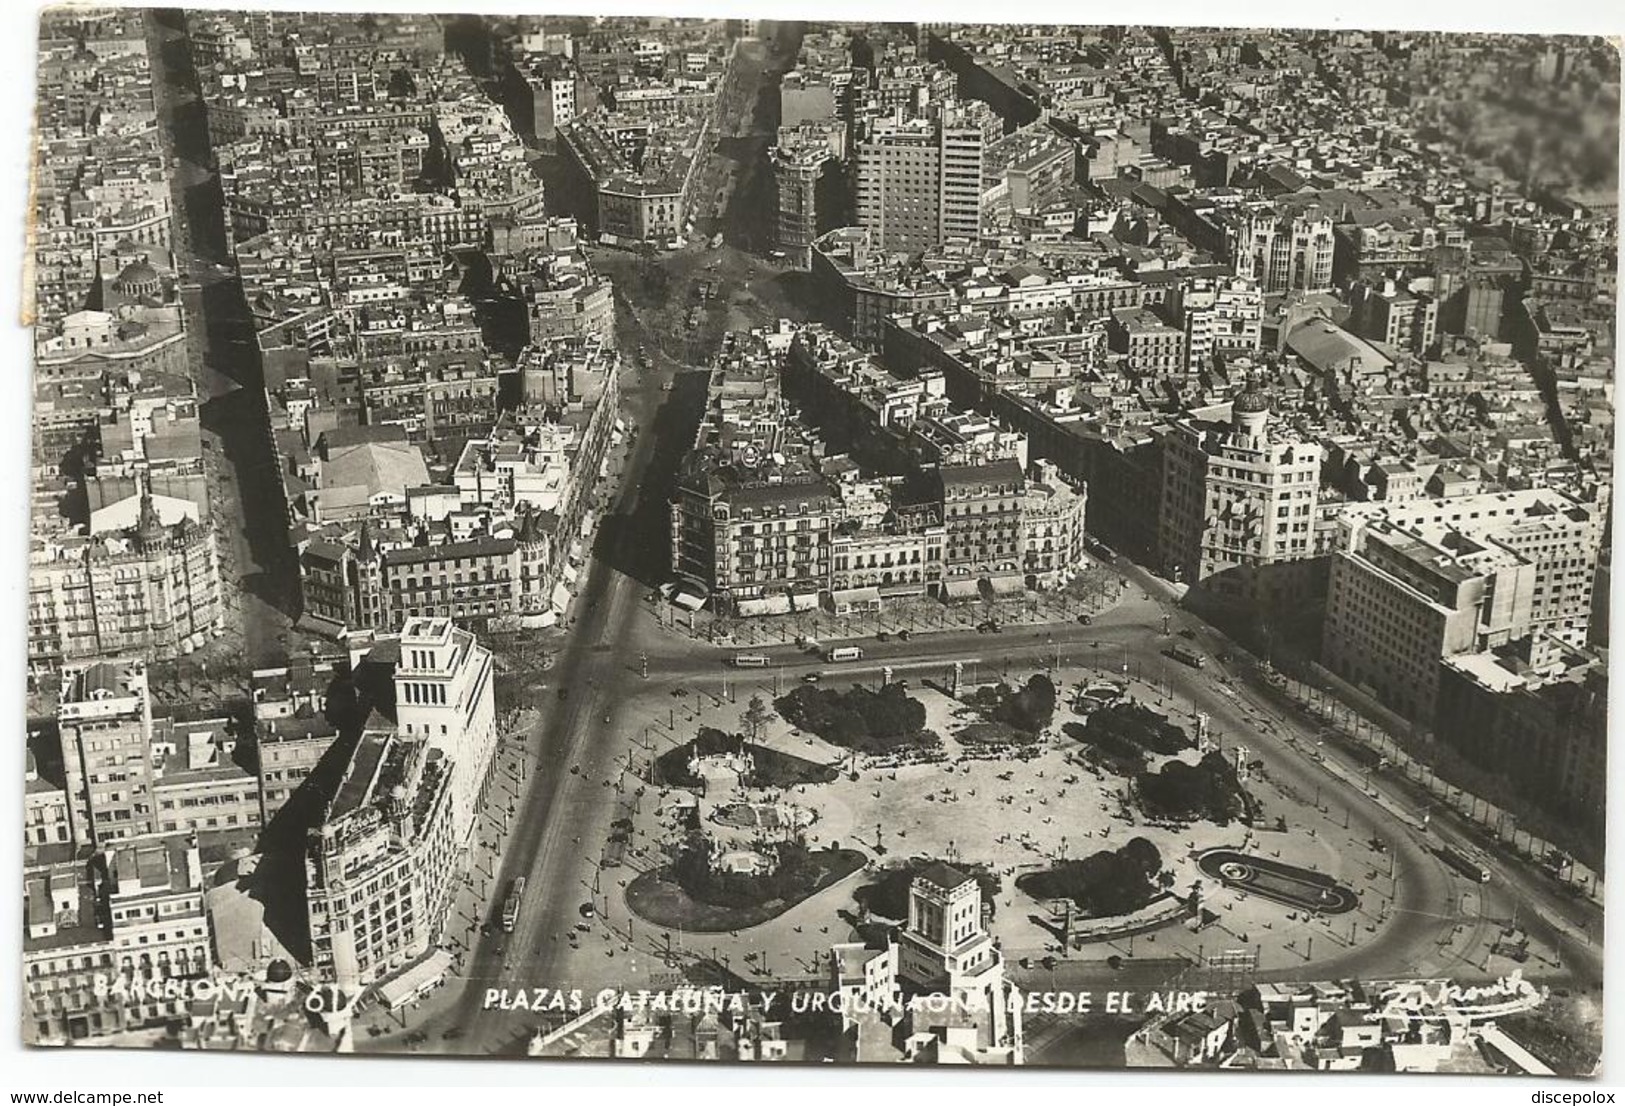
1240 495
1221 317
379 868
1403 598
565 298
1149 345
982 509
1559 536
105 719
550 87
798 166
155 906
1404 321
1286 251
919 182
444 694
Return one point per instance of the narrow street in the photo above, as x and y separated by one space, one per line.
258 571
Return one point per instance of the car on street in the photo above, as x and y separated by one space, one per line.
903 635
564 693
882 636
587 910
811 678
1086 619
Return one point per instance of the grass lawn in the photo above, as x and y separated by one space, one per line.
656 897
776 769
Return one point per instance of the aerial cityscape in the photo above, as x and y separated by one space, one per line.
586 537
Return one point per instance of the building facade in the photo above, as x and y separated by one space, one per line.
1236 496
105 717
759 543
153 589
1403 598
919 183
1052 528
981 509
1291 251
107 940
444 692
1547 734
380 867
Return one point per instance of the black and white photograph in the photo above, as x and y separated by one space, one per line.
674 539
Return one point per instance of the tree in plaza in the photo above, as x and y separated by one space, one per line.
1032 708
1102 884
1208 789
755 716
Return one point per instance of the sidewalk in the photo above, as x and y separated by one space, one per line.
916 614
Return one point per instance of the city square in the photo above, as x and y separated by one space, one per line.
920 519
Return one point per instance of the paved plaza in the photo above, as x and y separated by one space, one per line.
964 808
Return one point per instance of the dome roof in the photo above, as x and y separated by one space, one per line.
278 971
1251 402
137 273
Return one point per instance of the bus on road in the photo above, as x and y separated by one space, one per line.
1465 863
510 906
846 653
750 660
